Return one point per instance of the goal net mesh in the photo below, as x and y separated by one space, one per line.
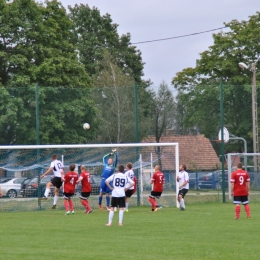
31 161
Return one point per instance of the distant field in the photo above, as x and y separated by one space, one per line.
203 231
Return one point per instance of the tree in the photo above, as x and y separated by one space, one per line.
36 47
94 33
162 114
200 85
115 98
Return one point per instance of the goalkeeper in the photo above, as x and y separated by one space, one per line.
108 169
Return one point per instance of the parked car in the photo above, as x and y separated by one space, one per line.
23 185
213 180
5 178
31 188
194 179
95 181
11 187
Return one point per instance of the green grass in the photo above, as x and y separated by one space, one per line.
203 231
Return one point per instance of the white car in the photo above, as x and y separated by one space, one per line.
11 187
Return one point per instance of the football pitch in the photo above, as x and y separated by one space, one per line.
202 231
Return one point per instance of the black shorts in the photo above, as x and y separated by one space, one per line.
67 196
118 202
84 195
241 199
183 192
56 181
129 193
155 194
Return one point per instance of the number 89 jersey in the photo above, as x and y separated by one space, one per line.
240 178
119 182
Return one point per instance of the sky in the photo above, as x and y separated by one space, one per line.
149 20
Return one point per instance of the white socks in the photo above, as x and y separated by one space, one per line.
121 215
182 204
110 216
46 193
55 200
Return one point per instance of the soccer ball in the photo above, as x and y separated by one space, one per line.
86 126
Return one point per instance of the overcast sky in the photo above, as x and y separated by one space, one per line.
154 19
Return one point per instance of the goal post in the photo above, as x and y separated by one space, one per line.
31 160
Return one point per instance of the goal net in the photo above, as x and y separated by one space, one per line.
251 164
29 162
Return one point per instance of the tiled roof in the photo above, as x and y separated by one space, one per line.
195 151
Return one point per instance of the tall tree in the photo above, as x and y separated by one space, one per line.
36 47
200 85
162 114
114 94
93 33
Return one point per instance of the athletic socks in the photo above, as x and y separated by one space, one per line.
66 205
126 205
108 200
121 215
110 216
237 211
71 205
182 204
153 202
100 200
47 192
55 199
247 209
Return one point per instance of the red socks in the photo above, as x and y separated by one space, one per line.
153 202
66 205
85 204
237 211
247 209
71 205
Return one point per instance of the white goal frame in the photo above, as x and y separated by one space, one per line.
175 145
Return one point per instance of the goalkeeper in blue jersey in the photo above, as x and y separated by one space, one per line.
110 162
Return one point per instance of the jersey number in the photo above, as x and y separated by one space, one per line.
241 180
119 182
72 181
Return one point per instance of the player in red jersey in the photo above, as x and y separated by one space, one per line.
70 181
86 188
158 181
240 187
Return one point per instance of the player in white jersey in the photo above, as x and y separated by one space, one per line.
58 170
183 179
120 185
130 174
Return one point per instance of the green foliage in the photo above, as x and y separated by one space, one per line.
210 233
162 111
114 96
93 33
199 86
35 46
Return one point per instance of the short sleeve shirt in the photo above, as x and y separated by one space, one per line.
158 181
240 178
57 166
119 180
130 174
183 176
70 181
85 182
